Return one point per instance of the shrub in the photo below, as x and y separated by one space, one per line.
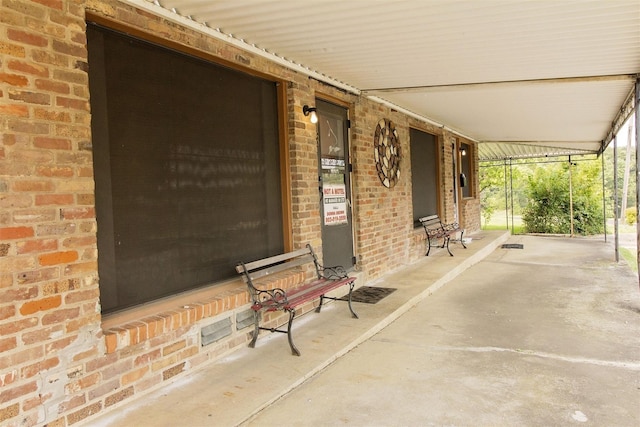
630 216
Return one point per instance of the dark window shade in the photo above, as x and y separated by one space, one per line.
465 168
424 174
186 160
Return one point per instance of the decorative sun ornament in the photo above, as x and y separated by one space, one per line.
386 152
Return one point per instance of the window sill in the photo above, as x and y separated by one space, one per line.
137 325
131 327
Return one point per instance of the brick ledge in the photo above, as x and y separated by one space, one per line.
222 299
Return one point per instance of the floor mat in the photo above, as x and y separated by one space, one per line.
513 246
369 294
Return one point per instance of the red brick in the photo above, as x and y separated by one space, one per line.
28 277
7 344
58 258
10 233
71 403
33 185
30 246
40 305
111 342
77 213
21 357
55 346
27 38
30 98
60 316
14 110
55 171
41 334
53 4
174 347
78 242
80 296
36 401
18 391
52 143
52 86
8 378
28 68
83 383
36 368
7 312
135 375
76 104
18 294
13 79
82 267
91 353
18 326
54 199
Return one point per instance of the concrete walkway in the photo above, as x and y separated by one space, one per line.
544 335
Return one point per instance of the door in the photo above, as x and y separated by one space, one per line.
334 185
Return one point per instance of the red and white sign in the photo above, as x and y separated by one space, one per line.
334 198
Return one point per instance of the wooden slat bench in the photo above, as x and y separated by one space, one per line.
435 230
325 280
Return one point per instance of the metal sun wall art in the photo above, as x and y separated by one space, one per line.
386 151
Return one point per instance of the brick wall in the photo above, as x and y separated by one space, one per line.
59 363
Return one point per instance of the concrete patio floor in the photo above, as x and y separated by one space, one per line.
544 335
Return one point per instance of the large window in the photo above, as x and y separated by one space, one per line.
424 174
187 169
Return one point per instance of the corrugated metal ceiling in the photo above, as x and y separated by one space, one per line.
546 73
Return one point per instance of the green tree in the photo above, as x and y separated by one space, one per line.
548 209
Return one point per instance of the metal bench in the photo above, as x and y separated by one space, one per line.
435 230
325 280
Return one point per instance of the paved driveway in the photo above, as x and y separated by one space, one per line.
547 335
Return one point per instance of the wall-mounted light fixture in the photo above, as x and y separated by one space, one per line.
310 111
463 152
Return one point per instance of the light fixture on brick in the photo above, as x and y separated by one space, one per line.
310 111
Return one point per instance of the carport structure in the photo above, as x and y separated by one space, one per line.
520 78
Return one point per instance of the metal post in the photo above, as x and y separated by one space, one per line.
615 198
511 191
506 195
571 197
637 107
604 199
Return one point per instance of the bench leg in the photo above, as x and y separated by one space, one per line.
447 239
428 246
353 313
256 329
294 350
319 307
461 240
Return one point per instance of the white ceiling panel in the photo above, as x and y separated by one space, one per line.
434 58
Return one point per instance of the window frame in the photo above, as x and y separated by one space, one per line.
436 175
280 116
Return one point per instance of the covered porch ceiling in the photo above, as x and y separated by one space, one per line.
522 78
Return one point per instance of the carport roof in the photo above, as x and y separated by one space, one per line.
522 78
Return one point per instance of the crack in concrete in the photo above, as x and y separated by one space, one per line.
630 365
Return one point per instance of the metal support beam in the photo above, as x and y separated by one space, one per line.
615 200
637 107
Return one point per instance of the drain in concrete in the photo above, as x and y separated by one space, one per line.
513 246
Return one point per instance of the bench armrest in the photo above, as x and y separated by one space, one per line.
272 296
333 273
